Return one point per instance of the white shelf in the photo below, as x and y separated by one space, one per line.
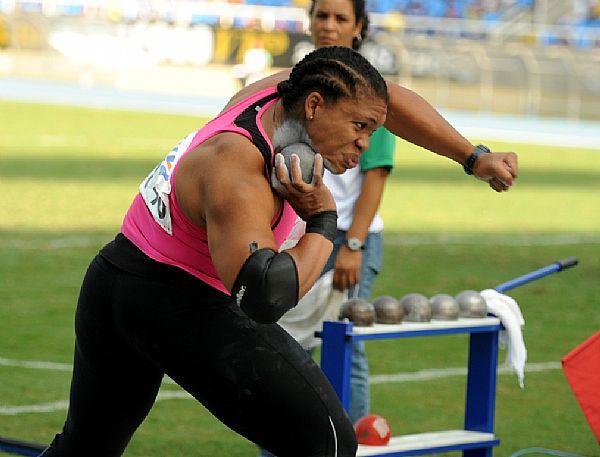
423 441
424 326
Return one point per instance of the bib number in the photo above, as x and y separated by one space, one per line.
155 189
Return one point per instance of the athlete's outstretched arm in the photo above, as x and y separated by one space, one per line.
412 118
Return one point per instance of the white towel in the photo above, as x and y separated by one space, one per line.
507 309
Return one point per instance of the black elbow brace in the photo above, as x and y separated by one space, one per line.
267 286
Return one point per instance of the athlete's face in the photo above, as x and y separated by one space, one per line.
333 23
340 131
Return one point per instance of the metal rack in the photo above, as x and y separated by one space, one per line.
477 439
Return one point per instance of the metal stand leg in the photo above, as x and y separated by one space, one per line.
481 387
336 343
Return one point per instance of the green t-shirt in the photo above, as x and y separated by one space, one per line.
381 151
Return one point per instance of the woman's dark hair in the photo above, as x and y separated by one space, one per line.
360 12
335 72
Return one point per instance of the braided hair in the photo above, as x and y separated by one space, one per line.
335 72
360 12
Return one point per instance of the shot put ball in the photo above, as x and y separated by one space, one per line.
307 161
417 308
444 307
358 311
471 304
388 310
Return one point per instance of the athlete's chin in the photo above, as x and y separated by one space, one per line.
332 167
338 170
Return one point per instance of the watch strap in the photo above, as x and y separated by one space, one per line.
470 162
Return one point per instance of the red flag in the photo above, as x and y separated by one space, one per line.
582 368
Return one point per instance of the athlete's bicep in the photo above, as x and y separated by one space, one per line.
238 218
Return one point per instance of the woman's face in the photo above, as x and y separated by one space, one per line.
333 23
340 131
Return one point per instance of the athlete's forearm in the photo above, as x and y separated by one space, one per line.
310 254
412 118
367 203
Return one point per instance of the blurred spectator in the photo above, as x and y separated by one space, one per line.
257 61
132 10
582 17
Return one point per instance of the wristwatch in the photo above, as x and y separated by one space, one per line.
354 244
470 162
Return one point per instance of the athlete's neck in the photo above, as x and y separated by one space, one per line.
285 129
272 118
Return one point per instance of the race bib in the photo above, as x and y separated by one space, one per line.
155 189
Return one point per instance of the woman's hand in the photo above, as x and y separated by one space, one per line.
347 268
305 199
498 169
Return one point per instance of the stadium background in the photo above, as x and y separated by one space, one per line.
93 92
507 56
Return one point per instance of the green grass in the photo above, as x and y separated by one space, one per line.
68 174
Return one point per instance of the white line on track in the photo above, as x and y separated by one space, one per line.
36 364
53 366
62 405
433 373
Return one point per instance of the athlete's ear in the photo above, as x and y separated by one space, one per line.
312 104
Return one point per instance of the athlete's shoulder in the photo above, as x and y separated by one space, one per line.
258 86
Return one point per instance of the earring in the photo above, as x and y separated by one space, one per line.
311 117
358 38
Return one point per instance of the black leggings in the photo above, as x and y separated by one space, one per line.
130 330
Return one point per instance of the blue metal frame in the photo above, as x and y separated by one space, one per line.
17 450
336 353
481 387
11 446
336 358
537 274
429 332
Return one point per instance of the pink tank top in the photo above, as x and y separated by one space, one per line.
156 224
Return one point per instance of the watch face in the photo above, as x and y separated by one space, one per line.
354 244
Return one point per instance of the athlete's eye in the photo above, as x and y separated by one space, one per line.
360 125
